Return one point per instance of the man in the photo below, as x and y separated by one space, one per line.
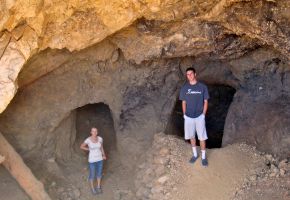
194 96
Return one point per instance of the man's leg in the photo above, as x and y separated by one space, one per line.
202 147
204 161
202 137
189 134
194 150
193 146
202 144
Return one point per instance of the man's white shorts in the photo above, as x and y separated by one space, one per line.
192 125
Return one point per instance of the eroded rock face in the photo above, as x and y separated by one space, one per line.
129 90
140 96
259 121
131 56
179 28
259 113
30 26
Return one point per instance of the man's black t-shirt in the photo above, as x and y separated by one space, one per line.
194 95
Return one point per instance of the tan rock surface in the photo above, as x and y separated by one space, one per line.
2 159
27 27
73 25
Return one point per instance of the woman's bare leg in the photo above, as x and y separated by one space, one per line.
98 182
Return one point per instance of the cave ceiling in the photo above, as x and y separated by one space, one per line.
140 29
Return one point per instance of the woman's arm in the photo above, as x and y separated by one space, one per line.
103 153
84 146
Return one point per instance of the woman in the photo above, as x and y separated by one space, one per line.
94 144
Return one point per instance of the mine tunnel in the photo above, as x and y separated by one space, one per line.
221 97
95 115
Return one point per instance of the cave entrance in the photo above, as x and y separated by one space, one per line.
96 115
115 174
221 97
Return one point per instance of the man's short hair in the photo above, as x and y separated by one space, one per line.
190 69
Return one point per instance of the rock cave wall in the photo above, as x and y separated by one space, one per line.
131 56
136 95
140 96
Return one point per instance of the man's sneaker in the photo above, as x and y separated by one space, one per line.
193 159
204 162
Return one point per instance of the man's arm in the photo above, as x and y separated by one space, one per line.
183 107
205 106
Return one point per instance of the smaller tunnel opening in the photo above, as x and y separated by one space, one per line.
221 97
96 115
99 115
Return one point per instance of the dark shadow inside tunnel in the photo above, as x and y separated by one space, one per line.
95 115
99 115
221 97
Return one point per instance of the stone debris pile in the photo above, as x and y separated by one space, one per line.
155 179
165 164
270 172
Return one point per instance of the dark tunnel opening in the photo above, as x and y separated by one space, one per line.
221 97
96 115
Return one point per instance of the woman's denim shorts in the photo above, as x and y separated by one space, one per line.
96 170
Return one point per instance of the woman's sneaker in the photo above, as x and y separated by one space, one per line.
94 192
99 190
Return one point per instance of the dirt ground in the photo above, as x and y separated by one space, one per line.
219 180
227 170
228 177
235 172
